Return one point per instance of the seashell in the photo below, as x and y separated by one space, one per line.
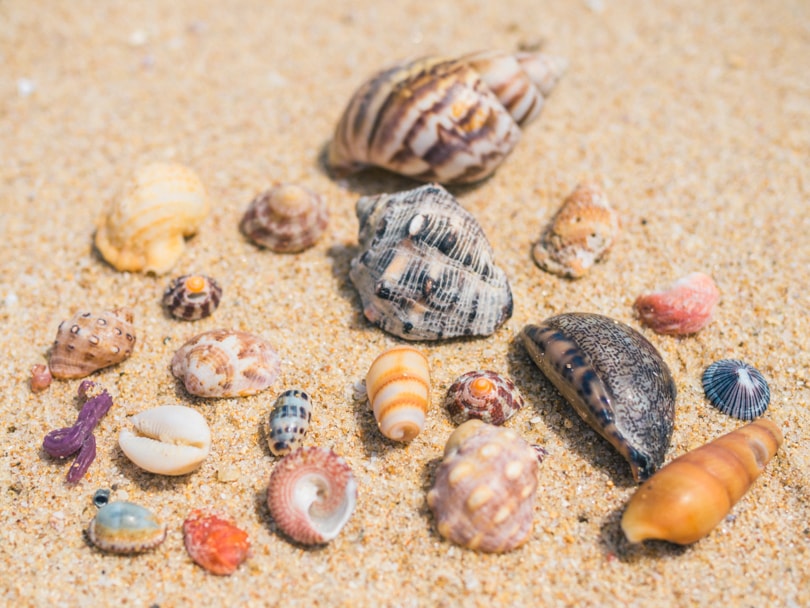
398 388
426 270
683 308
144 228
443 120
614 379
226 363
579 234
214 543
41 378
88 342
192 297
101 497
289 421
484 395
483 494
311 495
168 440
124 527
737 389
686 499
287 218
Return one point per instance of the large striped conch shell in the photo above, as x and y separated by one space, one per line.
398 387
449 120
145 227
686 499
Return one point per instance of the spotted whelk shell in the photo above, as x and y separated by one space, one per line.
614 379
145 227
311 495
683 308
226 363
485 395
426 270
192 297
398 388
289 421
91 341
287 218
483 494
124 527
579 235
449 120
685 500
168 440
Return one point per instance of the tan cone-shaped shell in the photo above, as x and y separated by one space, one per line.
398 387
686 499
145 227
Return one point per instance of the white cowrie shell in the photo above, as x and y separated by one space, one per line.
168 440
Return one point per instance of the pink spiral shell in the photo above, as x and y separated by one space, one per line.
485 395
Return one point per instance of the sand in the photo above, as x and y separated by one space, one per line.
694 116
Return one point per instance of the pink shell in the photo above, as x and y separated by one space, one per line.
40 378
684 308
311 495
214 543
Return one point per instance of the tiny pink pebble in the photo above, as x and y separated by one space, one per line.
41 378
684 308
214 543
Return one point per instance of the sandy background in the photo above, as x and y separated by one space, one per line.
696 118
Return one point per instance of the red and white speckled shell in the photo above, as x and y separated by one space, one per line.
485 395
91 341
483 495
226 363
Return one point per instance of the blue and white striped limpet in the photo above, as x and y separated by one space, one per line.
289 421
124 527
736 388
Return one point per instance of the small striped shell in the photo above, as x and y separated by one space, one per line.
91 341
613 378
685 307
737 389
311 495
215 543
485 395
226 363
144 229
289 421
579 235
449 120
287 218
398 388
124 527
192 297
484 491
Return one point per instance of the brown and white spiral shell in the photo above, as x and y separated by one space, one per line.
449 120
398 388
311 495
485 395
484 490
287 218
91 341
192 297
226 363
144 228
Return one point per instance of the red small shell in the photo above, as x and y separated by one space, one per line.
684 308
40 378
484 395
214 543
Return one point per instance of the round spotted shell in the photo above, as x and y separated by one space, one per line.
485 395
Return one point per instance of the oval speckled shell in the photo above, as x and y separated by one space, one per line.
168 440
145 227
89 341
311 495
444 120
485 395
287 218
484 490
684 501
426 270
398 388
289 421
124 527
615 380
226 363
579 234
192 297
